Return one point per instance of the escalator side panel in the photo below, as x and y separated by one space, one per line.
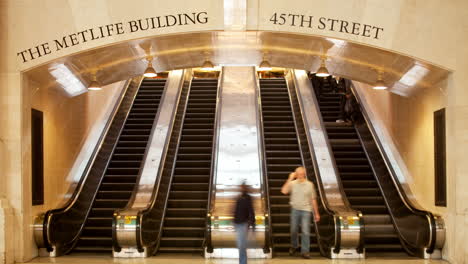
359 182
61 226
411 224
184 222
123 169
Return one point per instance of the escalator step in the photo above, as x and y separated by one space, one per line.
120 177
184 231
366 200
357 192
99 221
92 249
185 219
371 209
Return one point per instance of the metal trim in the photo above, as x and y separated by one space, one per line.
121 237
151 249
263 167
207 243
341 207
323 251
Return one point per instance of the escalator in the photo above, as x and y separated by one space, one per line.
185 217
123 168
282 156
359 183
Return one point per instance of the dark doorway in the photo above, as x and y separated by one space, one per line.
37 157
440 158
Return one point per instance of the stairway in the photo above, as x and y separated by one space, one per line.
282 157
359 183
121 174
184 222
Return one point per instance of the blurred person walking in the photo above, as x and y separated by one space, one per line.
244 216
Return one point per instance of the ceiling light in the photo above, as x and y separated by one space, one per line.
72 85
264 66
380 84
94 85
414 75
322 71
150 72
208 66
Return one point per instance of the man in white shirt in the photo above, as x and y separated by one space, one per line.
303 199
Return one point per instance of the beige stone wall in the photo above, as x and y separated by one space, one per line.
71 128
408 124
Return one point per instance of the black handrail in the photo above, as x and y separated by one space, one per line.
207 243
328 236
416 228
360 245
264 171
63 226
148 237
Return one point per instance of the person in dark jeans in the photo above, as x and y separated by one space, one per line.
244 216
303 201
349 107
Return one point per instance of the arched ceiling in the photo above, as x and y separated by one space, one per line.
404 75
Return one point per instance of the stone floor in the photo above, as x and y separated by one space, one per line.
84 259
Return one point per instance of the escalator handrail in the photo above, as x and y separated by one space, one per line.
345 208
214 162
404 198
141 214
145 155
49 215
323 251
130 209
263 167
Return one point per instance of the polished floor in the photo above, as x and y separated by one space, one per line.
80 259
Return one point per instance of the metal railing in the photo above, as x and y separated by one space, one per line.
149 221
263 170
207 243
349 222
124 226
328 232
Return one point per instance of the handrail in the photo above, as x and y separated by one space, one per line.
57 218
147 236
263 168
324 245
334 197
148 149
383 170
124 232
207 243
